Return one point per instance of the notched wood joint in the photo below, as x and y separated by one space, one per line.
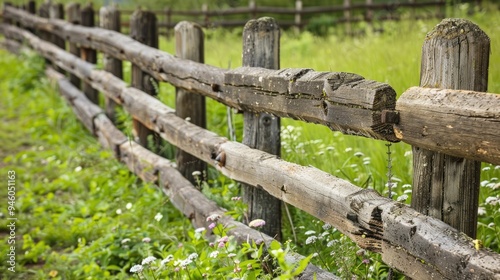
389 116
353 217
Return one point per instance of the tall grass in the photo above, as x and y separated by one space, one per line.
392 57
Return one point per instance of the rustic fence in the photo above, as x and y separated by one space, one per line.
450 121
298 16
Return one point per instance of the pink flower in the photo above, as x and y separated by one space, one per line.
257 223
223 239
211 226
222 244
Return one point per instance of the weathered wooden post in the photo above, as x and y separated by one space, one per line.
6 20
31 8
189 41
168 21
253 9
74 17
143 29
298 15
56 11
206 16
369 13
455 55
43 11
262 131
87 54
109 18
347 17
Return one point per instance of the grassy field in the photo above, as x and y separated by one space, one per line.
82 215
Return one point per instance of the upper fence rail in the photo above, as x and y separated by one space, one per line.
297 16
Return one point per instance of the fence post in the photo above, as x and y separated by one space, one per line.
455 55
31 8
189 43
6 20
109 18
253 9
74 17
347 17
56 11
43 11
206 18
87 54
168 21
262 131
298 14
143 28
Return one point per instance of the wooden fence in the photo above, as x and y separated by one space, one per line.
450 121
298 16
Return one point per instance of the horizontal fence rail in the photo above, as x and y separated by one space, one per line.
398 232
297 16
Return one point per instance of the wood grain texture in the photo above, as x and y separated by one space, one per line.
366 217
455 55
210 81
88 53
73 17
109 18
189 44
143 29
261 46
456 122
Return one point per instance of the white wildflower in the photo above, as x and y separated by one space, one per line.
128 206
118 211
311 239
136 268
214 254
481 211
158 216
402 198
327 226
193 256
199 230
196 173
167 260
213 218
257 223
310 232
492 200
148 260
125 240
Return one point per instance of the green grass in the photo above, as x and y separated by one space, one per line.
77 204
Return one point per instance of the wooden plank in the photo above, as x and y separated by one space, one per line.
74 17
318 193
209 81
189 42
455 55
85 111
261 131
87 53
109 18
460 123
144 30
